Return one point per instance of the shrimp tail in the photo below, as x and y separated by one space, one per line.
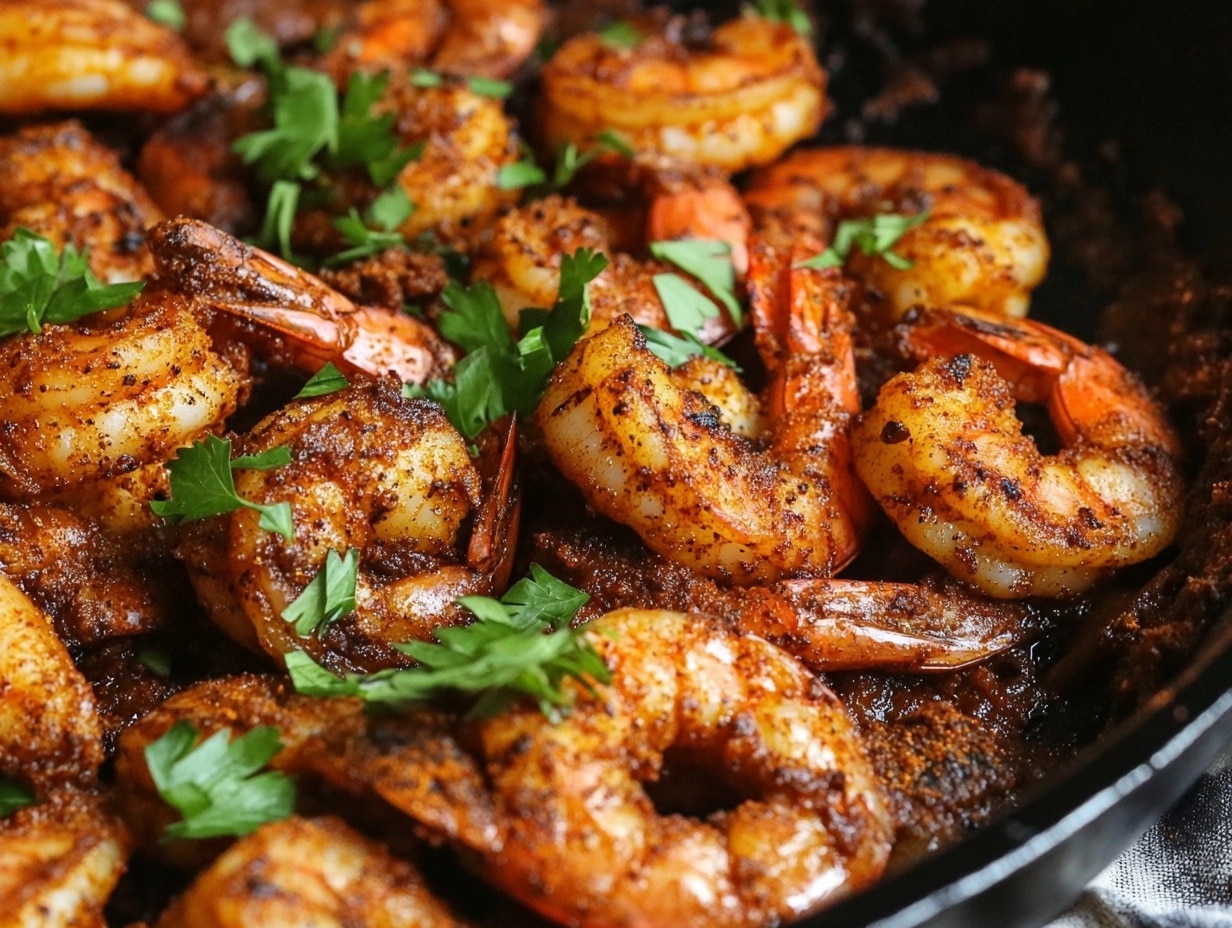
493 541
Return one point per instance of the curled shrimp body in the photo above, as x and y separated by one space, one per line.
307 872
292 317
982 245
944 454
91 54
103 395
521 258
732 97
660 459
584 843
370 471
58 181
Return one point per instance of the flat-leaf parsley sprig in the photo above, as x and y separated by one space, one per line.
40 286
203 485
215 785
518 646
499 374
874 235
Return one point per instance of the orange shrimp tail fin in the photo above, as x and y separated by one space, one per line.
389 341
705 206
493 541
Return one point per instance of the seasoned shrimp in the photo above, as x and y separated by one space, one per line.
59 861
584 843
91 54
944 455
388 477
982 245
660 460
103 395
50 734
307 871
521 258
732 97
295 318
58 181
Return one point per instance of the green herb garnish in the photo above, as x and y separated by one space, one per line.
167 13
875 235
215 785
677 349
376 230
621 33
709 260
40 287
14 795
325 381
203 485
788 12
328 596
520 645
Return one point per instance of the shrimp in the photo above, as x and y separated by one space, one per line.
521 258
59 861
50 734
983 243
388 477
944 455
292 317
660 460
584 843
103 395
91 54
307 871
58 181
730 98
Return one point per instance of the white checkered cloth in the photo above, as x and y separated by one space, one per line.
1177 875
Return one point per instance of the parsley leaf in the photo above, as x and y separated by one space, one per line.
215 785
676 349
249 46
376 230
621 33
426 79
788 12
520 174
328 596
520 645
155 659
499 375
37 286
304 107
167 13
687 308
325 381
203 485
875 235
14 795
709 260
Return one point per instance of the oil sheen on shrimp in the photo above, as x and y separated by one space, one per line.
660 459
584 843
386 476
732 97
945 456
91 54
983 243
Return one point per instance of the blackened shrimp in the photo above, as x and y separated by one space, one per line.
584 843
944 454
982 244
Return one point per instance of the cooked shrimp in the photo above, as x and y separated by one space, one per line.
59 861
584 843
388 477
300 872
103 395
521 257
91 54
661 461
982 245
50 734
944 455
296 319
58 181
737 96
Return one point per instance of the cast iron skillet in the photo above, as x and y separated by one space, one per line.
1160 83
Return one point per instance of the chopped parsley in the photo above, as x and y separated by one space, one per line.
376 230
675 350
14 795
483 86
620 33
874 235
709 260
788 12
167 13
215 785
518 646
203 485
40 287
328 596
325 381
500 375
687 308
